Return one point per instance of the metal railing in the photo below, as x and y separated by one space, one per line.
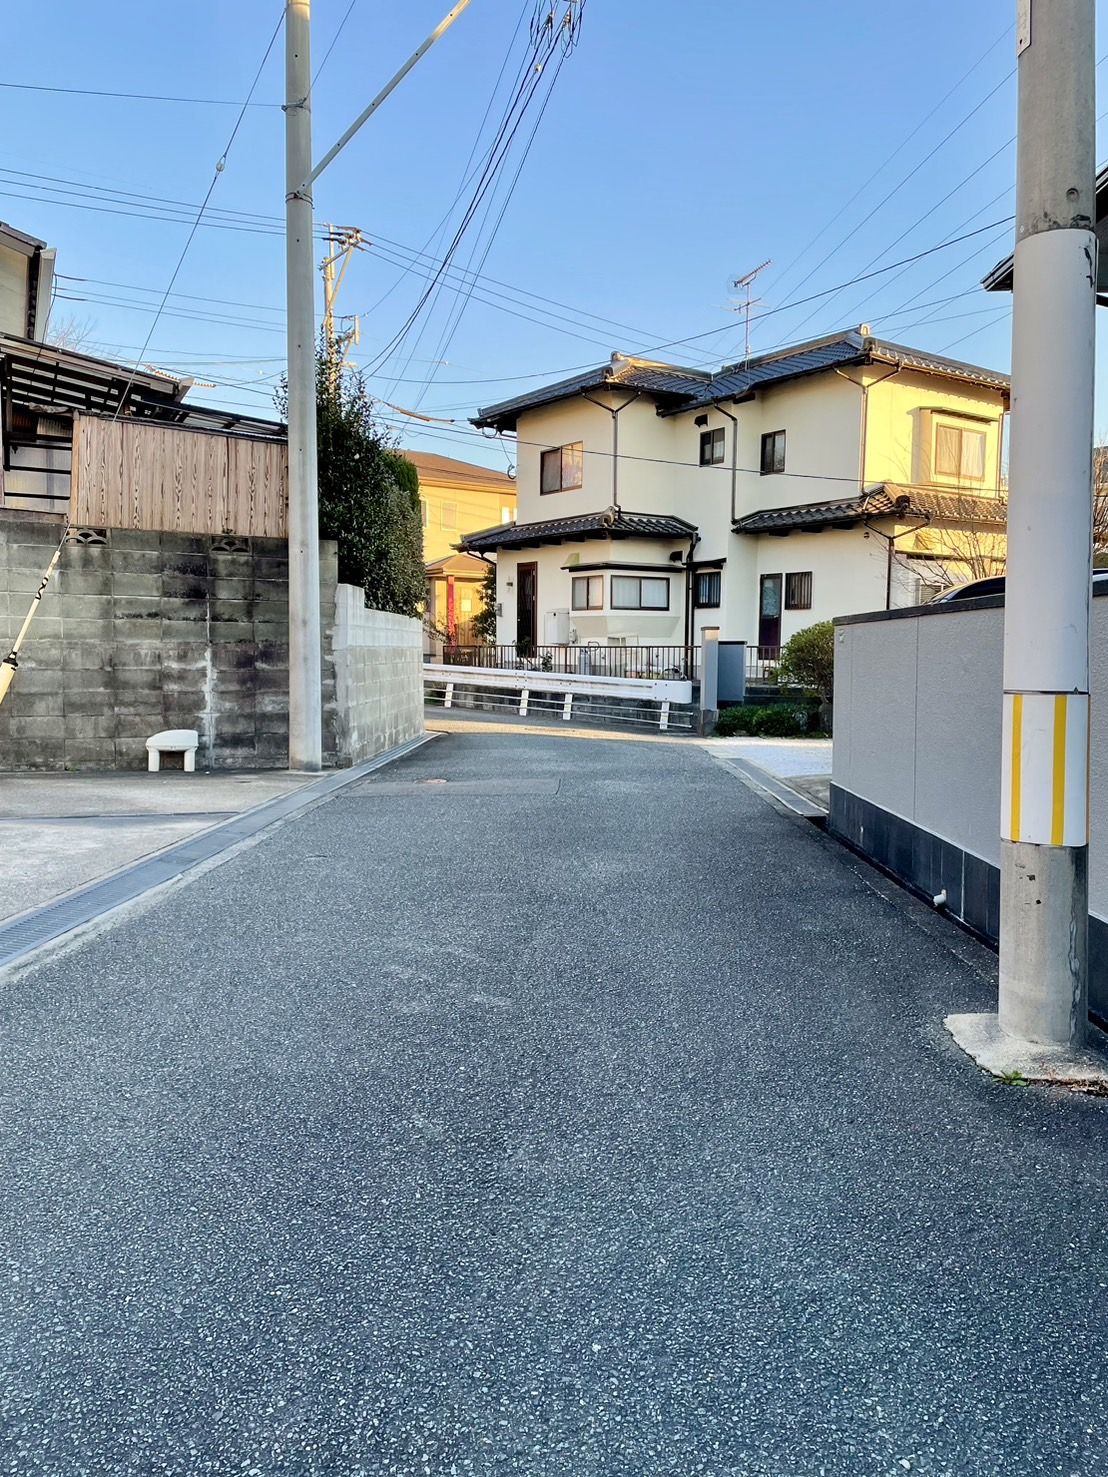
674 663
761 665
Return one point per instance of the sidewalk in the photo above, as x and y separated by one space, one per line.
547 1107
61 831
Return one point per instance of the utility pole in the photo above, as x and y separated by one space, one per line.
1045 758
342 243
305 669
305 665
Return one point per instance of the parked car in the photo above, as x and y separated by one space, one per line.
993 584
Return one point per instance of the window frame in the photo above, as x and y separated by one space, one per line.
588 581
640 580
576 464
770 443
789 600
708 574
715 436
951 423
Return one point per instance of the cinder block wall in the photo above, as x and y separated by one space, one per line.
144 631
378 661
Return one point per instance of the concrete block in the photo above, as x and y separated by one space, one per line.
34 726
87 607
127 583
135 654
43 626
96 753
222 608
86 559
185 586
85 701
185 630
226 587
191 567
41 653
272 749
30 679
175 545
88 656
137 725
272 569
33 753
227 631
132 540
137 607
84 582
130 562
78 632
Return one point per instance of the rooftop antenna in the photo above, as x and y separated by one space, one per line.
746 283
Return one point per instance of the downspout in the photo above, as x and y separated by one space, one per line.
734 455
694 539
864 427
890 540
614 413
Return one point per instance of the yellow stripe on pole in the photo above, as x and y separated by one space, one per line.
1058 778
1017 762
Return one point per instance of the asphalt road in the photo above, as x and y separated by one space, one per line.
580 1115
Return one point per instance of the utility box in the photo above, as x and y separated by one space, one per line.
555 628
732 672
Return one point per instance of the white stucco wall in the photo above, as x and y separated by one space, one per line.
378 677
918 726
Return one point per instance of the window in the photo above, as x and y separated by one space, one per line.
959 452
708 584
588 592
711 447
630 592
561 468
773 452
798 591
507 515
448 515
423 511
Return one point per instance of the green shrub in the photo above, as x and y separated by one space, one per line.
808 661
782 720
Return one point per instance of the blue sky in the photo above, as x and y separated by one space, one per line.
680 147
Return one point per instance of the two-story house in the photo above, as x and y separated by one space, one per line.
839 475
456 497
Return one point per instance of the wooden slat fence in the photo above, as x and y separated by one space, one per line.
132 474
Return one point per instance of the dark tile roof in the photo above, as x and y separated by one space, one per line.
879 502
839 513
1000 278
951 506
679 390
585 526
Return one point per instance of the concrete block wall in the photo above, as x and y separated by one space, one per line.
378 661
143 631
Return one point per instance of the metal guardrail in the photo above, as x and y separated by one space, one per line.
653 663
761 665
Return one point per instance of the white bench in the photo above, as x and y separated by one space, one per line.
172 741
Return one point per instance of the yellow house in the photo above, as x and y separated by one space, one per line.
836 476
457 498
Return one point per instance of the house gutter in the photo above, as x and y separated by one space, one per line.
734 455
890 540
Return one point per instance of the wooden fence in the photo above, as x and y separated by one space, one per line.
133 474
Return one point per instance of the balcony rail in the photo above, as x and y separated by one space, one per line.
672 663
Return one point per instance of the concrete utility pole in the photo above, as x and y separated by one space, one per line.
1044 830
1045 760
305 670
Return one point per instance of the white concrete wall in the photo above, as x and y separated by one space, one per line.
918 726
378 677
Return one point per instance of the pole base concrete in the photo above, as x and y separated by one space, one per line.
980 1036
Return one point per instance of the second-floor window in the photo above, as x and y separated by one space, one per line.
635 592
588 592
711 447
959 452
773 452
562 467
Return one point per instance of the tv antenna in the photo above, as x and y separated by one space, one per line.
745 284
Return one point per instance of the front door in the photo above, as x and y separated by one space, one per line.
769 615
527 608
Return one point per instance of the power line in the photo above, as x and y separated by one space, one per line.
191 296
136 97
221 164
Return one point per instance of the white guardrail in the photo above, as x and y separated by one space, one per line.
569 685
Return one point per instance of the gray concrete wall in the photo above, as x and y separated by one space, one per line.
378 661
918 726
146 631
